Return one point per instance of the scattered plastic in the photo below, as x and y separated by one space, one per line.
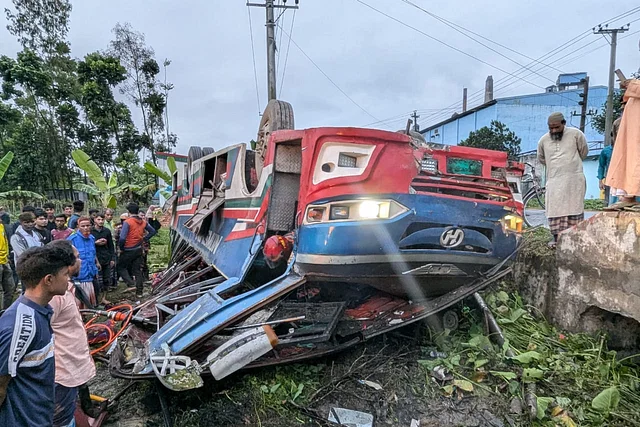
374 385
415 423
350 418
440 373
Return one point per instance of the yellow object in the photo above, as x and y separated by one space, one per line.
4 246
97 398
601 194
512 223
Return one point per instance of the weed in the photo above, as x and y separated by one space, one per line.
578 379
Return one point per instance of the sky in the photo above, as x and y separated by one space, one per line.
370 70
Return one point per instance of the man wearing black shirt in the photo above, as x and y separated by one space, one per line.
50 209
105 251
41 226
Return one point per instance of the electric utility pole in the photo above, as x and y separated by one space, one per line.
613 32
585 100
271 41
415 118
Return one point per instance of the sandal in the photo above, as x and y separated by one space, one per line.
618 206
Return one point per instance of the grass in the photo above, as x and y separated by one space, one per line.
160 251
578 380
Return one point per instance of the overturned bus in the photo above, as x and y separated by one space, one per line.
385 230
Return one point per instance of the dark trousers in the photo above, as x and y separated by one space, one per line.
607 195
105 276
130 264
8 285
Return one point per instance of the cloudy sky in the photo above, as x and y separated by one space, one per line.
383 69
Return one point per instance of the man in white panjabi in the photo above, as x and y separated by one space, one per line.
562 151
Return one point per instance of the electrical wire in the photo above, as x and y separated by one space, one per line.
327 76
286 57
253 56
478 95
460 29
441 42
276 36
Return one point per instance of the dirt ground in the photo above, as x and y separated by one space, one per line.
246 399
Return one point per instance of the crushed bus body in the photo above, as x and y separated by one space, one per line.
383 229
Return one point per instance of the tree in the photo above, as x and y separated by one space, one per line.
497 137
142 86
599 120
4 166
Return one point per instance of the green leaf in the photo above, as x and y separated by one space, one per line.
464 385
264 388
504 375
448 390
542 403
530 375
87 188
20 194
150 167
526 358
171 164
274 388
113 181
5 162
480 363
93 171
607 400
298 392
517 314
111 202
502 296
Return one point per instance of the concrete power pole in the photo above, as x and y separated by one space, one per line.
415 118
613 32
271 42
584 102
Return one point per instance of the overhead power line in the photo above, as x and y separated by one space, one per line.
479 94
327 76
286 57
253 56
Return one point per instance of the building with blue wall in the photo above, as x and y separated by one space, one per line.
526 115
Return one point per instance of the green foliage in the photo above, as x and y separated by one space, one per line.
106 190
598 121
51 103
158 172
497 137
578 380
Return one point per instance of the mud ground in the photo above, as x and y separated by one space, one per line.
408 393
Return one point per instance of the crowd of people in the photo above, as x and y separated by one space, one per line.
563 150
110 249
64 263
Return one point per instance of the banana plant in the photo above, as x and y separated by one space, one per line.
14 194
166 177
102 188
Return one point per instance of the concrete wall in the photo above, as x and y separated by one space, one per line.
590 283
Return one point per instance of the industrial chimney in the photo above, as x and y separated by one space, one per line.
488 90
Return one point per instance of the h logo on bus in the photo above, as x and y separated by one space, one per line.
452 237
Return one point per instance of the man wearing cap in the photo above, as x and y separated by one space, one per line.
562 151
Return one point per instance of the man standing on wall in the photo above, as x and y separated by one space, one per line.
624 170
562 151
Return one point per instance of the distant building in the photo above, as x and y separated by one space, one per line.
161 159
526 115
